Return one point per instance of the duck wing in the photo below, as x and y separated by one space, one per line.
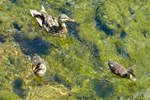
121 71
37 16
118 69
46 21
51 24
51 21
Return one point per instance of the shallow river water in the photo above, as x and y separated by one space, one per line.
76 63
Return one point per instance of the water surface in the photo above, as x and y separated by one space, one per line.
76 63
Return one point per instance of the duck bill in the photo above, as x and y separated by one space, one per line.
71 20
133 77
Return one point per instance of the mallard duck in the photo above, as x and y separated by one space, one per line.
38 66
119 70
50 23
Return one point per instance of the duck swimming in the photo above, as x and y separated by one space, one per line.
119 70
51 24
38 66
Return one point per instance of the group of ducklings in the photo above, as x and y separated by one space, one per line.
57 26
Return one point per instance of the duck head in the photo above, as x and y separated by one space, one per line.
131 74
110 63
64 18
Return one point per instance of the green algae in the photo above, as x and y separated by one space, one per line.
8 96
76 63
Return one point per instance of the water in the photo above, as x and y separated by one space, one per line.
76 63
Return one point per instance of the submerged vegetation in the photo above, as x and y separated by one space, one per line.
77 62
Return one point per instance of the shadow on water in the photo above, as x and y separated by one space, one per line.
32 46
100 25
17 87
103 89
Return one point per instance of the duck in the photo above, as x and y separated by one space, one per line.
51 24
121 71
38 66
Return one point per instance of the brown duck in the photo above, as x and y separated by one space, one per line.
119 70
38 66
51 24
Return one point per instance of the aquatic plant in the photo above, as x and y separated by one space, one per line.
76 63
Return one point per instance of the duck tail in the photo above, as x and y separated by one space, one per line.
43 9
34 13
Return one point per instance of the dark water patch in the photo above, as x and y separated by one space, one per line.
66 11
100 25
68 4
103 89
121 51
57 79
2 38
17 87
13 1
32 46
0 22
72 28
118 25
16 26
96 52
144 33
123 34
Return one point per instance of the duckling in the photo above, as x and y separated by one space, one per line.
38 66
51 24
119 70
